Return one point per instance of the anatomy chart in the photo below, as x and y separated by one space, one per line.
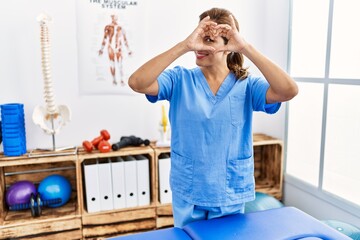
110 41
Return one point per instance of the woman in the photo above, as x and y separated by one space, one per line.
210 112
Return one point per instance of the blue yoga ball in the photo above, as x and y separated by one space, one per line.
54 187
262 202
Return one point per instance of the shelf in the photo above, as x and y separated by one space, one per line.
72 221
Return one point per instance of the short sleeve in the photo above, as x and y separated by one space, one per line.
259 87
166 82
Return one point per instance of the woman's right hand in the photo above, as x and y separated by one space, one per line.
196 40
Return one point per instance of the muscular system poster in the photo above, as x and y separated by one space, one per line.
110 37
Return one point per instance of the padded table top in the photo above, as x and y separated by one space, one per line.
286 223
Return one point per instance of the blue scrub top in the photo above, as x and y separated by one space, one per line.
211 135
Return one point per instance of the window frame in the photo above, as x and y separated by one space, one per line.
318 191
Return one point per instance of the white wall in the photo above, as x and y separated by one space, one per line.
168 22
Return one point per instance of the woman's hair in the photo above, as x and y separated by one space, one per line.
234 60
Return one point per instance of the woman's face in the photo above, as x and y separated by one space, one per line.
207 58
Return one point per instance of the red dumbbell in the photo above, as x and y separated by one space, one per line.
95 143
104 146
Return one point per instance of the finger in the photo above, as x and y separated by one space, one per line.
209 48
223 49
232 22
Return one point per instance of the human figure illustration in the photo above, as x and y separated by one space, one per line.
115 39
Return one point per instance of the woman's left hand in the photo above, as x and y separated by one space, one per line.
236 43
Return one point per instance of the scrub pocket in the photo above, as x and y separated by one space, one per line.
181 175
237 109
240 177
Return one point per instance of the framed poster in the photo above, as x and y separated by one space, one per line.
111 38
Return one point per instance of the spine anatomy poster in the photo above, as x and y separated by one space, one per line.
110 37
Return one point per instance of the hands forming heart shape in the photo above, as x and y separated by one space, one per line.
207 31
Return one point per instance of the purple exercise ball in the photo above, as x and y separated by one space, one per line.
20 192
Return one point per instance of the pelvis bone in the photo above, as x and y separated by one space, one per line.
51 123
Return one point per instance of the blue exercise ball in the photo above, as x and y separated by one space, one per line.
53 187
262 202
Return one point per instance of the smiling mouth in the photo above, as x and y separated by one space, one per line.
201 55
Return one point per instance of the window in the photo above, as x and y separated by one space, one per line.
323 121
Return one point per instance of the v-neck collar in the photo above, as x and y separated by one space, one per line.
224 88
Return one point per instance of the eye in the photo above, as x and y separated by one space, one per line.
208 39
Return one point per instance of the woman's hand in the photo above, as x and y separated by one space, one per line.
196 40
236 43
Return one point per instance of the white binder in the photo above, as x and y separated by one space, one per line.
118 182
92 187
164 178
105 185
130 181
143 180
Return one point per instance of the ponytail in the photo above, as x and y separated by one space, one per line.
235 64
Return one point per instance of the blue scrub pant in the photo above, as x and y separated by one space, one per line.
185 212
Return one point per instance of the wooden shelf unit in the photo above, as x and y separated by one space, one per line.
119 221
164 213
72 221
268 162
64 221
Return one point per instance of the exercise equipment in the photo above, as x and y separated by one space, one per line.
53 187
345 228
262 202
53 191
13 129
34 204
279 223
99 143
129 141
0 134
20 192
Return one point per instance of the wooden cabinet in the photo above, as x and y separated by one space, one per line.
54 223
73 221
125 220
268 162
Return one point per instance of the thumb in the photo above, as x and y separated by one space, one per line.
209 48
221 49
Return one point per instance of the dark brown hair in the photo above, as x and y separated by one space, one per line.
234 60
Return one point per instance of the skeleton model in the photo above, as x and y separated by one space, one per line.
52 117
164 130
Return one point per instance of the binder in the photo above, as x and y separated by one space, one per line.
105 185
164 178
118 182
92 187
143 180
130 181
